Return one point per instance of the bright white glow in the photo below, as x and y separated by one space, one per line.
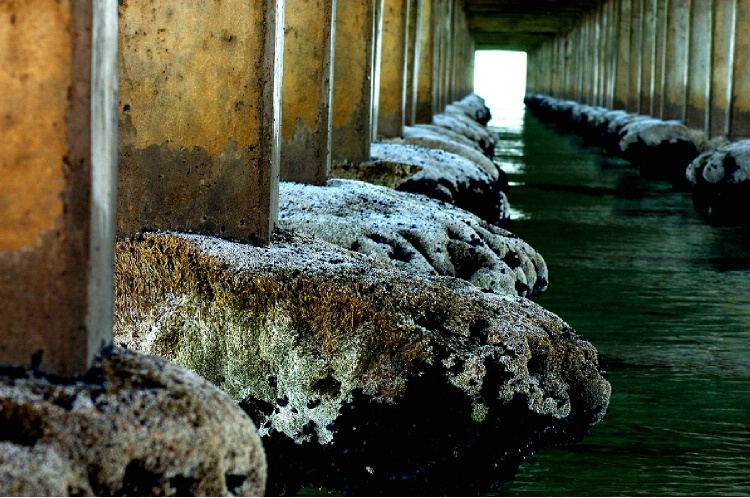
500 78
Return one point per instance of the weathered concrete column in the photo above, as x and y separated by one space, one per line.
428 63
740 123
676 60
722 67
622 71
58 83
377 57
353 81
636 59
412 61
649 57
660 59
199 116
699 64
392 102
306 91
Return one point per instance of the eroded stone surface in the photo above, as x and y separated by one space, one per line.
415 233
134 425
446 177
459 123
432 141
361 377
721 181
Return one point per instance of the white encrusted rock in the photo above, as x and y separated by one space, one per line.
446 177
340 360
134 425
415 233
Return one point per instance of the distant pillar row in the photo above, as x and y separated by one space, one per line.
684 60
217 102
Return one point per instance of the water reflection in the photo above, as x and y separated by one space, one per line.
664 296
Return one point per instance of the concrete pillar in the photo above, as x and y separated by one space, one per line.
376 63
413 60
636 59
622 69
649 57
428 62
740 117
353 81
699 65
199 116
58 83
391 107
676 59
660 58
306 91
722 66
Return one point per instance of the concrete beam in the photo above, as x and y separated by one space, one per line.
353 81
392 102
59 85
199 116
306 91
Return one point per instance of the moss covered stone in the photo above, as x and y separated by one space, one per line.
361 377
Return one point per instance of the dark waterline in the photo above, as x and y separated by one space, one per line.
663 295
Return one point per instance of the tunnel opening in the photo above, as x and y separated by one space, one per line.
500 78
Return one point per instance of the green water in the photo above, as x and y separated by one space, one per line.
663 295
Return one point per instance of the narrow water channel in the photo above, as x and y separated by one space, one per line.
663 295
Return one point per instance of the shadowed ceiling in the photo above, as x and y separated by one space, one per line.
522 24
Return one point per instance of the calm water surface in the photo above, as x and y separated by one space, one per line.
663 295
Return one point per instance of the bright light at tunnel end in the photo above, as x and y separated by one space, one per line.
500 78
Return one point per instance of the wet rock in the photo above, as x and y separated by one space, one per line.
433 141
414 233
443 176
473 107
134 425
721 182
661 149
361 378
439 132
459 123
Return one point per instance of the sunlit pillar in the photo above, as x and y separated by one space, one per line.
413 60
391 106
58 91
199 116
306 91
353 81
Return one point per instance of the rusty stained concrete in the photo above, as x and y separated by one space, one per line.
34 123
197 118
391 106
306 91
46 167
352 81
